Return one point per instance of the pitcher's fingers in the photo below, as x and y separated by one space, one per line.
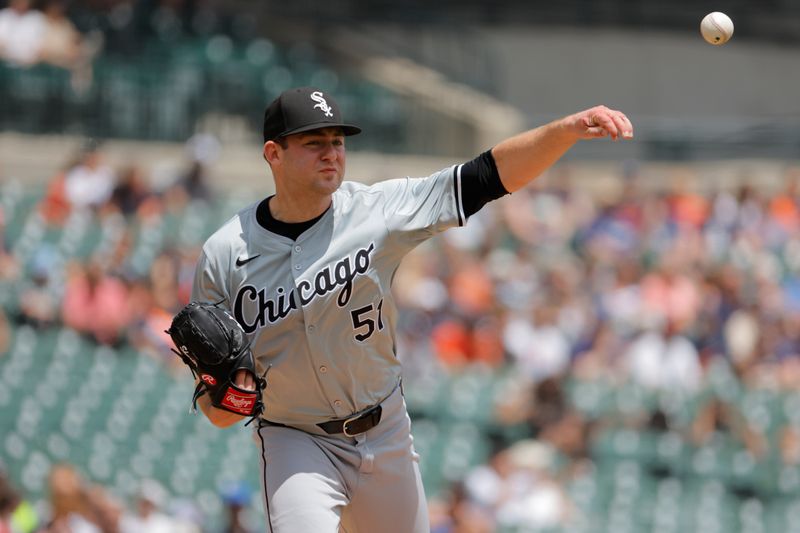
245 380
596 131
623 124
605 121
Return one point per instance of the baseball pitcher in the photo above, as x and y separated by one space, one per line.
292 323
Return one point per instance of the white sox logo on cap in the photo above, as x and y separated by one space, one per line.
322 104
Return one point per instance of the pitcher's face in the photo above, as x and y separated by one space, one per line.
312 161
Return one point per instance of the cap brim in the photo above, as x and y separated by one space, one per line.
348 129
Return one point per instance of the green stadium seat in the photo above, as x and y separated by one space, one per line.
592 398
425 394
465 446
785 479
670 452
470 396
429 443
790 408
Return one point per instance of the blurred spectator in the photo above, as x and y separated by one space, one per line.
22 31
471 289
741 333
539 346
156 300
450 341
71 508
9 500
687 207
148 517
5 333
663 358
461 514
55 207
106 511
61 41
598 358
194 182
187 517
203 150
519 489
784 207
90 182
668 294
236 498
17 515
132 194
717 415
95 303
38 299
487 347
187 260
9 269
789 445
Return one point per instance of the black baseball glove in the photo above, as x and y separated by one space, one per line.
214 346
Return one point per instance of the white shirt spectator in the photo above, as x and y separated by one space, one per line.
155 522
667 364
21 35
87 186
540 351
148 518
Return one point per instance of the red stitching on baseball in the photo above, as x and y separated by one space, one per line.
719 28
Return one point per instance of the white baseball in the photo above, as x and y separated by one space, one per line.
716 28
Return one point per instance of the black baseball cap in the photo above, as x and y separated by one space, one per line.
303 109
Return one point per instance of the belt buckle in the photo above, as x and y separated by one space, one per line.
351 419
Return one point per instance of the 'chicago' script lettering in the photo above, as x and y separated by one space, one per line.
271 310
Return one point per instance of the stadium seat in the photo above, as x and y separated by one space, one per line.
469 396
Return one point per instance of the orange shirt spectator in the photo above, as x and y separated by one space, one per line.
471 289
689 208
783 209
451 342
55 206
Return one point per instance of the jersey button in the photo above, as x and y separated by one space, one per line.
298 249
297 267
311 328
323 369
337 403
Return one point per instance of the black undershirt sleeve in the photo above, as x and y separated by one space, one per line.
480 183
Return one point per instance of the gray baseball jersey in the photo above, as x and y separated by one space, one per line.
319 310
321 316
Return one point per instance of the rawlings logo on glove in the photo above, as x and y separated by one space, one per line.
214 346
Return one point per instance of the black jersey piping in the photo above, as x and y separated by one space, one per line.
457 190
264 477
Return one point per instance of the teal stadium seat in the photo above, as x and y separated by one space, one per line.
429 444
470 396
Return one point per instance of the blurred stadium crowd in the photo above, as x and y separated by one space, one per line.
626 361
597 323
29 36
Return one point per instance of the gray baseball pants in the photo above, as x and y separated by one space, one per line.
320 483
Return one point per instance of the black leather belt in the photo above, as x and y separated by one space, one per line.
355 425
